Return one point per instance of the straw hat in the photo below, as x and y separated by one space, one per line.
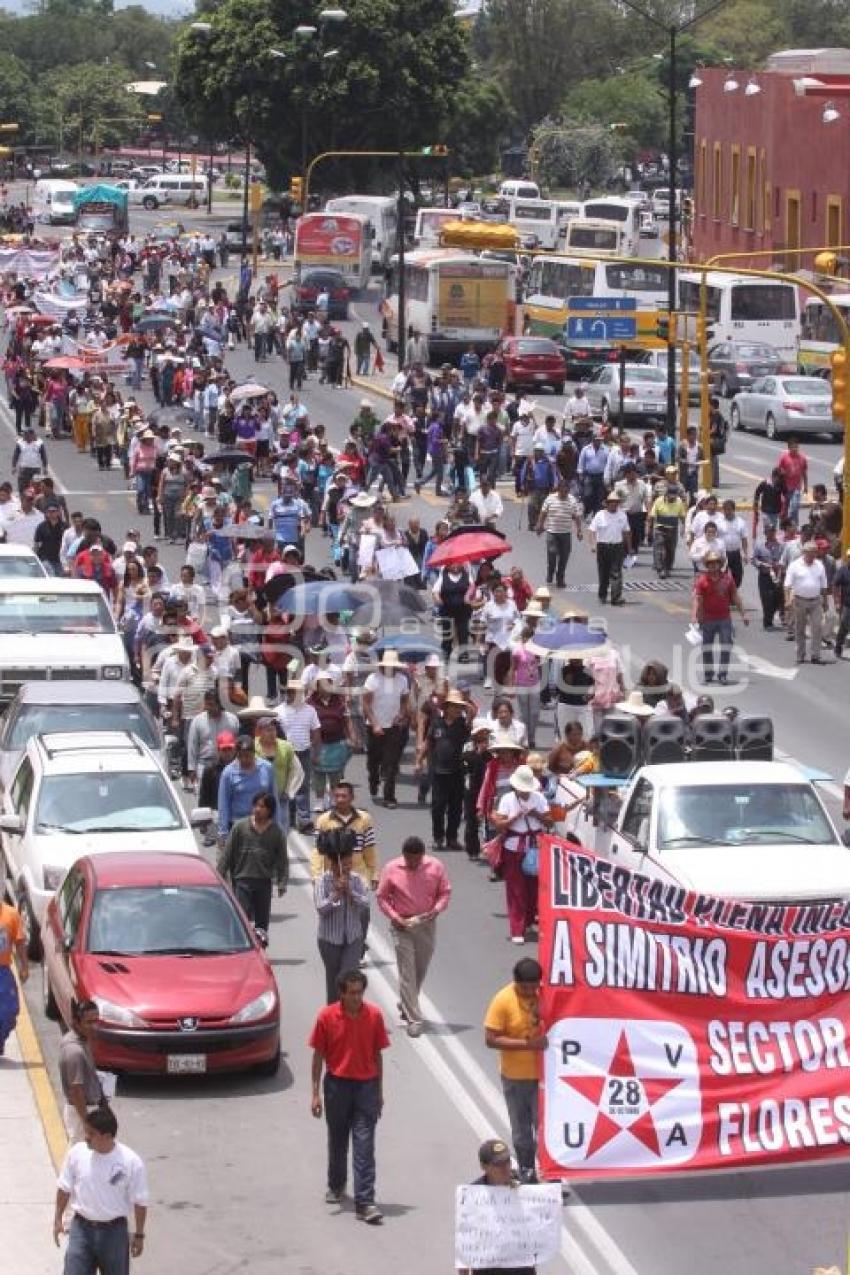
635 705
389 659
184 643
480 726
522 780
502 741
455 697
364 500
536 762
534 609
256 707
542 594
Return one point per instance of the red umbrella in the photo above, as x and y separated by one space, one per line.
65 363
472 546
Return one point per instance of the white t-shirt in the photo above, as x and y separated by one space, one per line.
387 690
103 1187
499 621
523 436
525 810
733 532
804 579
517 730
297 722
489 506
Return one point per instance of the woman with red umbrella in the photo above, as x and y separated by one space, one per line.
453 592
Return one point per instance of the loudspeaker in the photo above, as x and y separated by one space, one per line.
619 744
712 738
755 738
663 740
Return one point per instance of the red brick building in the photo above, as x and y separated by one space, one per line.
769 173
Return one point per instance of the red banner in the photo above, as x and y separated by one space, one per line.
329 239
687 1032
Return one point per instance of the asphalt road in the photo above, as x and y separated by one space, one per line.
237 1165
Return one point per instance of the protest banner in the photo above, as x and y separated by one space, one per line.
506 1225
687 1032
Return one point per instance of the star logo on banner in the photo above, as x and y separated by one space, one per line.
624 1100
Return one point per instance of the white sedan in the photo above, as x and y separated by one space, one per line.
786 405
644 394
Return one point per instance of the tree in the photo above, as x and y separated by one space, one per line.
391 85
16 104
573 154
632 99
480 122
88 103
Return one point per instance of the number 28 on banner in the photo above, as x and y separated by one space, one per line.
621 1093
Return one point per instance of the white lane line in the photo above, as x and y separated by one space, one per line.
459 1083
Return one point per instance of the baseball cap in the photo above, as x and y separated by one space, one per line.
225 739
494 1151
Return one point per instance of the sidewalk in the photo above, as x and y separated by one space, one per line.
27 1172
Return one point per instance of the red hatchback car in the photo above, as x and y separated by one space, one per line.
161 945
533 360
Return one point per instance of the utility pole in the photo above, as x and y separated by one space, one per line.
402 297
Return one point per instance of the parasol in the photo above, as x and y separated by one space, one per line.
321 595
411 647
149 322
470 546
230 456
244 531
385 602
568 640
250 390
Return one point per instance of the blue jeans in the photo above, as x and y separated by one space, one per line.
144 492
303 814
9 1005
98 1248
712 631
794 498
521 1102
352 1109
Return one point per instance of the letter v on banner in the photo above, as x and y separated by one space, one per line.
685 1033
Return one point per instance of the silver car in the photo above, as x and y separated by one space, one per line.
645 391
782 405
658 358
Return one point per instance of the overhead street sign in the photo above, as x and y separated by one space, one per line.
602 328
604 304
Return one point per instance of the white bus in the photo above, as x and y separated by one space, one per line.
429 225
820 337
593 238
625 213
747 309
554 280
536 219
568 210
381 211
454 300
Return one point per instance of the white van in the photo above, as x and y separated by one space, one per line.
175 188
519 190
53 201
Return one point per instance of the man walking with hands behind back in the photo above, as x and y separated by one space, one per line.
512 1026
412 892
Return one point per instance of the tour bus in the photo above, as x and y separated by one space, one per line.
742 308
820 337
537 219
625 213
568 210
454 300
382 213
429 223
555 280
586 238
335 241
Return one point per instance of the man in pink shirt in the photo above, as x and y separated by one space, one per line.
413 890
794 468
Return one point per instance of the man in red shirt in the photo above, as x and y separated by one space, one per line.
794 468
347 1040
714 597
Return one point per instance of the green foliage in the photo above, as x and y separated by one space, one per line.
479 120
632 99
572 153
392 84
16 98
88 101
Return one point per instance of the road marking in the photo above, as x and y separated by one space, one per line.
42 1089
742 473
768 669
468 1079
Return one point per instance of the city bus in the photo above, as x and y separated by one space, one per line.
454 299
382 213
536 219
335 241
741 308
626 214
820 337
592 238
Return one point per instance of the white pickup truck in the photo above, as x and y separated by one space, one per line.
742 829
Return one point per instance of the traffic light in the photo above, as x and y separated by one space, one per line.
434 150
840 400
296 189
687 209
665 328
705 331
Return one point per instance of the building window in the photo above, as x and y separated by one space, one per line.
702 175
765 221
750 196
717 184
814 205
776 196
735 186
833 220
793 227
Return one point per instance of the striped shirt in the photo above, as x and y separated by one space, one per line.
559 514
365 860
340 919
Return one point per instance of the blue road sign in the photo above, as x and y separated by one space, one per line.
602 328
605 304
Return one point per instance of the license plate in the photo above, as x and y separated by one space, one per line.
540 376
186 1064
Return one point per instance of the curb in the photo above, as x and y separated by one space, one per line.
42 1089
372 388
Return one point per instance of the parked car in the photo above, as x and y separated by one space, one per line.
786 405
161 946
314 282
645 391
17 562
47 708
742 829
736 364
658 358
533 360
76 794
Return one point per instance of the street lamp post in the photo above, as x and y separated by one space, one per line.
308 33
673 30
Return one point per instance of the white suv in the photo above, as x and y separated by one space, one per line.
82 794
56 630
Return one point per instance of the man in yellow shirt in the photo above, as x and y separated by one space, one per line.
512 1025
667 512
